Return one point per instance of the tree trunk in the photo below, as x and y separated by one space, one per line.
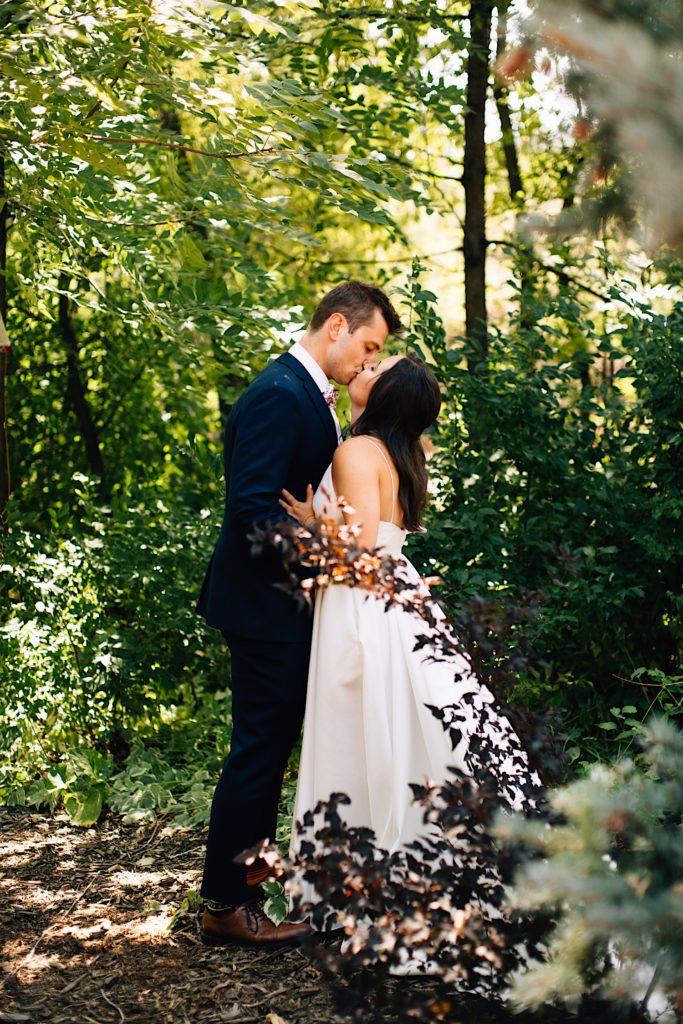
5 478
76 392
500 93
515 182
474 183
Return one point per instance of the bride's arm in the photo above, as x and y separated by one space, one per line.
355 477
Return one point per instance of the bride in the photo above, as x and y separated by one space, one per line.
368 731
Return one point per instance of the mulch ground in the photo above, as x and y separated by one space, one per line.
84 936
84 933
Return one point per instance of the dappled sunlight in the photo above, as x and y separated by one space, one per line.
48 837
85 932
33 895
153 927
30 966
136 879
102 950
181 185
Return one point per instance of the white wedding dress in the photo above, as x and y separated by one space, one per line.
367 732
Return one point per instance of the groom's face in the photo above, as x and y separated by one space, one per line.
350 351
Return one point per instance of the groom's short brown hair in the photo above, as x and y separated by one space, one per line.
358 302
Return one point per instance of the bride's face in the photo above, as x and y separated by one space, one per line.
360 386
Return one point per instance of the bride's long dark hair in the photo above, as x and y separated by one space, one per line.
402 403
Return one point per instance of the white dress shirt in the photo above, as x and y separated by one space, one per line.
318 375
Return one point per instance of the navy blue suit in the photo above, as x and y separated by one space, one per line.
279 434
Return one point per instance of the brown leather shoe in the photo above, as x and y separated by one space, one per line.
247 925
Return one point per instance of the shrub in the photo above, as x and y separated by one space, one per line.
559 472
611 871
101 633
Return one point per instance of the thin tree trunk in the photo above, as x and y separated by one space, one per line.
14 16
76 392
500 93
474 183
5 477
514 173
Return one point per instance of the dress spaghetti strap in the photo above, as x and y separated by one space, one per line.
391 475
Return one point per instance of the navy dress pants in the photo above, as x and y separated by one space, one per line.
268 703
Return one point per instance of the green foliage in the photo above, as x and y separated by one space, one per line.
186 913
95 602
651 692
102 636
79 782
611 871
247 120
148 786
552 480
179 186
276 904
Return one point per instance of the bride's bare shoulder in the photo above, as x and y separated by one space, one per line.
354 450
353 455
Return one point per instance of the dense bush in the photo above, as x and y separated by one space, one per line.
561 473
102 642
594 916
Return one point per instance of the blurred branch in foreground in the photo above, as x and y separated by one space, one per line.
626 74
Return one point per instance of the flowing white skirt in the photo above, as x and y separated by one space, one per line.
367 731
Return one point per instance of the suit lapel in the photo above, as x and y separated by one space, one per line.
313 392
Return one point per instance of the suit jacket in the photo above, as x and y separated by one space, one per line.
279 434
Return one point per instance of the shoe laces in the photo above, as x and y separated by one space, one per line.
255 915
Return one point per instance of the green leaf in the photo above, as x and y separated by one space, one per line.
94 154
190 254
85 808
256 21
277 908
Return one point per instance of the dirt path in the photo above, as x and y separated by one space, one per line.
84 918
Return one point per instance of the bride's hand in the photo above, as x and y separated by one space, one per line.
302 511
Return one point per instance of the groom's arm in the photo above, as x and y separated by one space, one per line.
266 442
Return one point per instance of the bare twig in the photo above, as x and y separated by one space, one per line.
637 682
152 837
423 170
558 271
268 996
398 259
112 1003
72 984
386 14
133 141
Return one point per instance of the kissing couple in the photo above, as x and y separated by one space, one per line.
350 673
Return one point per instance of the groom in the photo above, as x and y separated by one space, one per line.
282 432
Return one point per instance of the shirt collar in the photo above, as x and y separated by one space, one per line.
309 363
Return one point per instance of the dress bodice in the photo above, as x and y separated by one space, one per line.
390 537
